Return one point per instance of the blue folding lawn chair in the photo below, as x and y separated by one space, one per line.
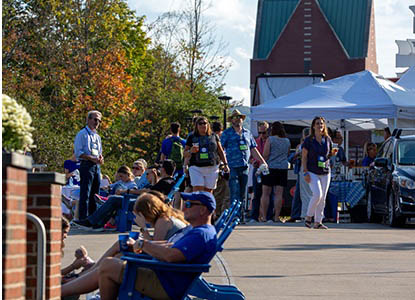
175 189
199 287
124 218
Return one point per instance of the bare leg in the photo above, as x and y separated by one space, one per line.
85 283
198 188
277 201
266 191
208 190
109 279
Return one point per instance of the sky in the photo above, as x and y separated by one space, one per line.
235 23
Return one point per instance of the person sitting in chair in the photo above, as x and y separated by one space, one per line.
196 246
97 220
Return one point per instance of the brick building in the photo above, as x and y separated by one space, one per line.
334 37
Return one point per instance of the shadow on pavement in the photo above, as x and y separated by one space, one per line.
314 247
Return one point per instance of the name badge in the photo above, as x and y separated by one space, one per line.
204 155
321 163
203 149
94 152
243 147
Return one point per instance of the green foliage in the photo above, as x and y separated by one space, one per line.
62 58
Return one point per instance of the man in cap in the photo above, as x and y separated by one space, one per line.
239 145
197 246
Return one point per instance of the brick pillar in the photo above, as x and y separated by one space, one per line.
44 201
14 224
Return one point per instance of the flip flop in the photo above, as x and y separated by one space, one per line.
307 224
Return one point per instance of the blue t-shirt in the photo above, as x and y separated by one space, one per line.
367 161
316 152
198 247
167 145
166 149
237 147
72 166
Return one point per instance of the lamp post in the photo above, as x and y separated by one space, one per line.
225 100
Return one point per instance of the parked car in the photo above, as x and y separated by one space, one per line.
391 181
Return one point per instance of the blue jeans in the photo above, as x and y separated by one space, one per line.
90 182
108 209
238 181
296 204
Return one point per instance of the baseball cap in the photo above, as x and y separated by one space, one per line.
207 199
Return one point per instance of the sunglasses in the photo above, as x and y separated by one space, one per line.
201 123
262 132
237 117
189 204
138 168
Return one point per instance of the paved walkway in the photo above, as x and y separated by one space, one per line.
289 261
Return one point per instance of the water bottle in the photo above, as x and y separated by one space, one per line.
77 175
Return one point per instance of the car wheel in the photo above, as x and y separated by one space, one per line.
393 219
372 217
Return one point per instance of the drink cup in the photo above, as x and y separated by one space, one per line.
122 239
196 145
134 235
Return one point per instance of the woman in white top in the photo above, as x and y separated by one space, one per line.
276 150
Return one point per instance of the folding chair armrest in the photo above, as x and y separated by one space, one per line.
158 265
135 255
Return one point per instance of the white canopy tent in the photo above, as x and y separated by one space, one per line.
362 100
407 80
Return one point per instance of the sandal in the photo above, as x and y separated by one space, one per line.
320 226
307 223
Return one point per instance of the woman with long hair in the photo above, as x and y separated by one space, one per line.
316 150
370 151
204 149
151 208
276 150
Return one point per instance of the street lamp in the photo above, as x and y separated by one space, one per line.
225 100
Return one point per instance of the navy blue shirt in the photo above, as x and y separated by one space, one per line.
198 247
72 166
316 152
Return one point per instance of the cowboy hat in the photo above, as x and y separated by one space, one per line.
236 113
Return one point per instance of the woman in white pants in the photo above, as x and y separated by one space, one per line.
316 150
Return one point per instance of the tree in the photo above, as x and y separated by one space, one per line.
192 44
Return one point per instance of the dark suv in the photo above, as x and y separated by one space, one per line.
391 181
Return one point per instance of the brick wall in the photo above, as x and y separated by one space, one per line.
324 51
44 200
14 194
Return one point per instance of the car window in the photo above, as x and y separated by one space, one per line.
384 148
406 153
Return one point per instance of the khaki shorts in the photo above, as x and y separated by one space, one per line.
147 283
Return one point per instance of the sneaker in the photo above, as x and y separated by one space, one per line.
100 199
110 227
270 221
96 228
253 221
84 224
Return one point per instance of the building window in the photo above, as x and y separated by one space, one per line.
307 66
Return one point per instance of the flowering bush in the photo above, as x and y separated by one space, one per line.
16 129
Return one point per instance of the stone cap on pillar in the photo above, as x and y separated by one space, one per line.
46 178
17 160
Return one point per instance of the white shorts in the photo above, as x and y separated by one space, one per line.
204 176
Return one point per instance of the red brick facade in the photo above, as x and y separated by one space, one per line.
308 35
39 194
